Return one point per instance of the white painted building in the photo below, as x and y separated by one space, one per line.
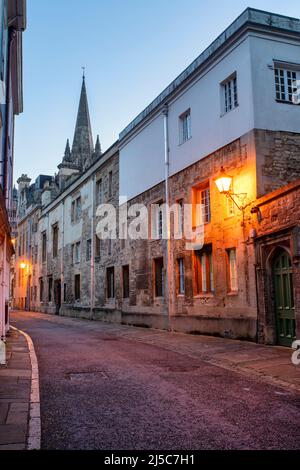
244 56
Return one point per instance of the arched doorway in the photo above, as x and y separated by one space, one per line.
284 298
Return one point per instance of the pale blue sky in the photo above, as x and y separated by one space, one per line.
132 49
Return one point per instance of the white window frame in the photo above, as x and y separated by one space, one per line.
232 265
287 82
229 94
185 126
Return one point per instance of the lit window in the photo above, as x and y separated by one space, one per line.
287 85
202 201
185 126
204 274
232 265
229 94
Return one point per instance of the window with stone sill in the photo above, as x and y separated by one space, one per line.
125 279
180 276
232 270
55 240
159 281
110 282
97 247
203 271
77 287
76 252
287 83
229 94
110 184
157 220
50 287
44 247
65 292
76 210
41 290
185 127
99 192
88 250
201 204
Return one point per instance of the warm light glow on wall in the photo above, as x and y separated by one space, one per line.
23 265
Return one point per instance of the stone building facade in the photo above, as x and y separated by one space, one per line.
12 25
243 280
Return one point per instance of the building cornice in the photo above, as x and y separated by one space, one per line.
250 20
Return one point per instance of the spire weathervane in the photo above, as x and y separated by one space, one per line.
83 72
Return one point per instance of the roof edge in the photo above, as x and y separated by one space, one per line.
250 16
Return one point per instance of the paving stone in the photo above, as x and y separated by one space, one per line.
15 373
17 417
12 433
4 407
13 447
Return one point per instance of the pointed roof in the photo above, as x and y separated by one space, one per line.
67 155
98 150
83 140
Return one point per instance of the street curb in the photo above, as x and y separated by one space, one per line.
34 426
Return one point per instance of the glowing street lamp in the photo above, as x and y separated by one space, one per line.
23 265
223 182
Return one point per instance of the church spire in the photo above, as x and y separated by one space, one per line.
98 151
67 156
82 147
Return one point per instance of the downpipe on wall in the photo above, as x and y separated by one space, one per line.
168 254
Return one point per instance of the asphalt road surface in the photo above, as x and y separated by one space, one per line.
100 390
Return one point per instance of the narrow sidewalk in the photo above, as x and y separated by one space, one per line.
15 389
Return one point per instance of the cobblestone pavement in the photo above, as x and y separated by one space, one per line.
15 384
117 387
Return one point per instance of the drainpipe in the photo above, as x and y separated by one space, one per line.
93 245
62 268
168 269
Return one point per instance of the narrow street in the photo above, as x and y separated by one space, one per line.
100 389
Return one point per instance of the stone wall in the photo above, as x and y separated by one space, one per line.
277 227
278 159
